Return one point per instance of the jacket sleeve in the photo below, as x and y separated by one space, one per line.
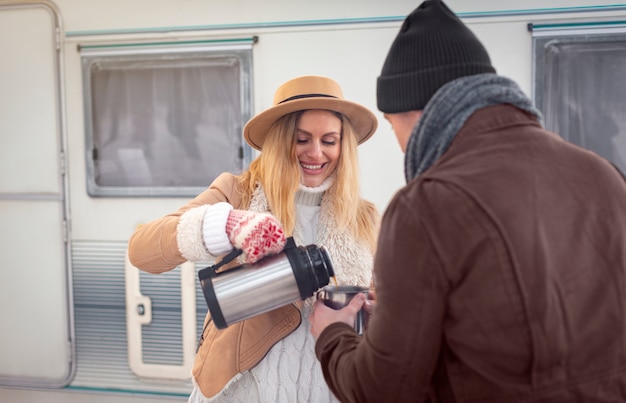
154 248
398 354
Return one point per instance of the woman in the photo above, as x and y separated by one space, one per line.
303 184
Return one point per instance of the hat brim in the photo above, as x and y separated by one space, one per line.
363 121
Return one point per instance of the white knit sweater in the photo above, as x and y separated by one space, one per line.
290 372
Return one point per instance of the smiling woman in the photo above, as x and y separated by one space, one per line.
304 184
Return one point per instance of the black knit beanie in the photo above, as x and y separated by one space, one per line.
432 48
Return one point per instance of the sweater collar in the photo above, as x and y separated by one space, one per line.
312 196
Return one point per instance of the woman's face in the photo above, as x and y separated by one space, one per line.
318 145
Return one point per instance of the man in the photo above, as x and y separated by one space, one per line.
500 269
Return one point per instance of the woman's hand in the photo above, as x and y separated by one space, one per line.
322 316
256 234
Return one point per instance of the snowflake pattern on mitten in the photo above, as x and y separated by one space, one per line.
256 234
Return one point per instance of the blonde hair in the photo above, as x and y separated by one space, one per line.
278 171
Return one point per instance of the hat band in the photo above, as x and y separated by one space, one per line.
306 96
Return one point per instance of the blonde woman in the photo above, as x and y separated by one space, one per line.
304 184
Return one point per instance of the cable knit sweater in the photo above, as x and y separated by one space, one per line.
290 371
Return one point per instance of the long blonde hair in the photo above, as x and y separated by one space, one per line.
278 171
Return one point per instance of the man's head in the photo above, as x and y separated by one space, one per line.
432 48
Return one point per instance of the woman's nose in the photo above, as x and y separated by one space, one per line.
315 149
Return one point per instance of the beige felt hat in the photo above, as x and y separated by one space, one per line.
310 92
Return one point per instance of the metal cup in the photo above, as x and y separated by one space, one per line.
337 297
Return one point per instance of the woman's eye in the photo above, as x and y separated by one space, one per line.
301 141
329 142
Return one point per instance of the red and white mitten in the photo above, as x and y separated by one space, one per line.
256 234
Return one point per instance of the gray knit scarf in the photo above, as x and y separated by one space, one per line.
449 108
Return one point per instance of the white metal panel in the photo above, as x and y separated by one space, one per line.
36 342
29 124
95 17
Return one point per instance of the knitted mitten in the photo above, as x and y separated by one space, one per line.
256 234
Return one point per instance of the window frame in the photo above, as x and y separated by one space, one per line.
237 48
543 35
584 33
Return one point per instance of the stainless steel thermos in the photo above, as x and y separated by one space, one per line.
242 292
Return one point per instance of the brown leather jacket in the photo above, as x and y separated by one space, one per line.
501 277
238 347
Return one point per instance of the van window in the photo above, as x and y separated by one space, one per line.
165 120
579 86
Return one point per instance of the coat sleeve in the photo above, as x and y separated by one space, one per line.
398 354
153 246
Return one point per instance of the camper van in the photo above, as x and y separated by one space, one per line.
114 113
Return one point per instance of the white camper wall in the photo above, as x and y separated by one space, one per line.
346 40
291 43
350 53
